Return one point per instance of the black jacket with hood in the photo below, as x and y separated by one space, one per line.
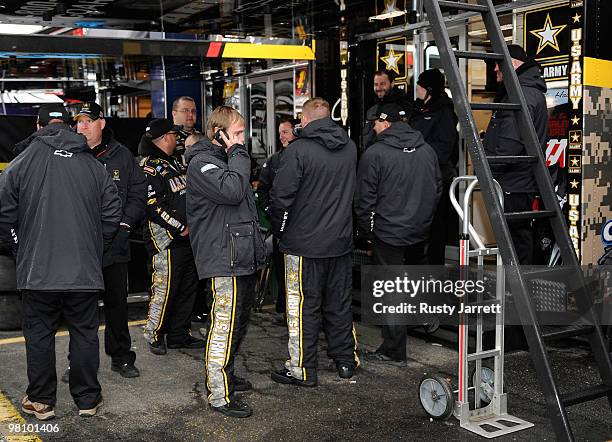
132 186
65 209
166 199
395 96
398 187
312 193
437 121
504 138
221 212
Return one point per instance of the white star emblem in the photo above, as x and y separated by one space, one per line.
390 6
548 35
576 17
391 60
575 120
574 184
575 138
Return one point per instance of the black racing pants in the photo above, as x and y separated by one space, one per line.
395 336
319 292
42 315
232 301
117 340
521 230
174 285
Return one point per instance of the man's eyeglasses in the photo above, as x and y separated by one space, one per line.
187 111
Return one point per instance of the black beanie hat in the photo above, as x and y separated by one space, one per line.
517 52
433 80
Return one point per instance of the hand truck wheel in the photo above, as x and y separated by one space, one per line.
432 327
436 396
487 384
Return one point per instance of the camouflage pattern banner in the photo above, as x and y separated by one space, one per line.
596 171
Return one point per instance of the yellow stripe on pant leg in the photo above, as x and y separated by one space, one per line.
168 282
212 321
219 340
229 338
357 361
300 312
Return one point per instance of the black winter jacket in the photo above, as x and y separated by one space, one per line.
396 96
398 187
65 209
503 136
166 199
221 212
437 121
313 191
266 178
132 186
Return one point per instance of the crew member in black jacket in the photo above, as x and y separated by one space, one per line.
228 248
64 210
398 188
131 183
174 281
266 179
311 214
434 117
386 92
503 138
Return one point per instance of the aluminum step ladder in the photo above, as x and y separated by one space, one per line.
556 401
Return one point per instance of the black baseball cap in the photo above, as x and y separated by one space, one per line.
389 112
160 127
55 111
89 109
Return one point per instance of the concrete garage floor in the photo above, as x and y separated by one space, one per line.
168 401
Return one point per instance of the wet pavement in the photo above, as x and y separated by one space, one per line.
168 401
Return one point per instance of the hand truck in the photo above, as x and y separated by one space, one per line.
489 418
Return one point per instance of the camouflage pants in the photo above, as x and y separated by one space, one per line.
318 290
231 307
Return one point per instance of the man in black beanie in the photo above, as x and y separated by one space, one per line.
433 115
504 138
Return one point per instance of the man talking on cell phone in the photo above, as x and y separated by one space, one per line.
227 245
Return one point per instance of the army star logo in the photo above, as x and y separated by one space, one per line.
390 6
575 120
574 184
391 60
548 35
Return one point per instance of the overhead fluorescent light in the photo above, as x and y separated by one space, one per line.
387 15
20 29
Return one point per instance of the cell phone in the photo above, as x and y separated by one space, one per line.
218 138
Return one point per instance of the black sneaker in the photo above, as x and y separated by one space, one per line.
189 342
378 357
125 370
345 371
158 347
234 409
66 376
284 376
241 384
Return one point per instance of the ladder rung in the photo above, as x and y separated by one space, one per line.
585 395
512 216
554 272
478 55
511 159
568 333
483 355
462 6
496 106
